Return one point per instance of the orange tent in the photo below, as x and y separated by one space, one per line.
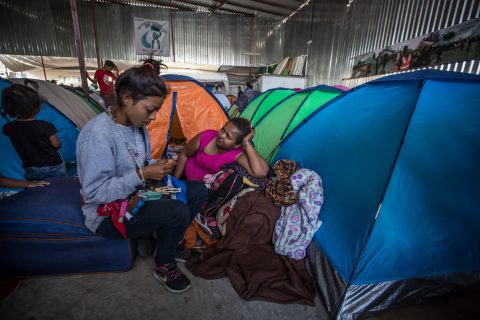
188 110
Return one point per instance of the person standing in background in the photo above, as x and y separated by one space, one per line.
249 87
216 88
105 79
240 92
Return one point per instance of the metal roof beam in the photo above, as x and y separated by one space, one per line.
217 7
254 8
278 5
114 2
211 8
168 6
177 4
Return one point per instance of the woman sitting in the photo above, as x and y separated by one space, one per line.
205 155
113 156
208 151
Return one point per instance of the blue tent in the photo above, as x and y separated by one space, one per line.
399 160
10 163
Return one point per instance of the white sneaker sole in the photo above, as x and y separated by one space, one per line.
182 260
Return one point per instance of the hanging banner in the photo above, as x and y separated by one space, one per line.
152 37
457 43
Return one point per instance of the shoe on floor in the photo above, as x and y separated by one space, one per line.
172 278
182 253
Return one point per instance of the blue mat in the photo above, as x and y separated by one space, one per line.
42 232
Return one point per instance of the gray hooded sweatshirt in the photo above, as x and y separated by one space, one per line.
106 169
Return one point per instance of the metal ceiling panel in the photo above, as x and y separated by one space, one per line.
44 28
277 9
338 32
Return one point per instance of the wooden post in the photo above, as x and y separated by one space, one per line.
251 50
43 66
95 33
171 31
79 46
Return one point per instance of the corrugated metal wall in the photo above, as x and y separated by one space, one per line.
43 27
340 33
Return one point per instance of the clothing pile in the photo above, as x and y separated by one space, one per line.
225 187
287 212
299 221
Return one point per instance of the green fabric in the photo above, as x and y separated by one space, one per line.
90 102
285 117
93 105
264 103
313 102
233 111
270 130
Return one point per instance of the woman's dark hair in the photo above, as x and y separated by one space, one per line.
20 101
140 82
243 125
156 65
152 64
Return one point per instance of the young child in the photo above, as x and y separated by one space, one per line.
18 184
35 141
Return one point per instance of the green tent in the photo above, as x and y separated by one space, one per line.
259 106
97 108
233 111
286 115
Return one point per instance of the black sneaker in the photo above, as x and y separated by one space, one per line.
182 254
172 278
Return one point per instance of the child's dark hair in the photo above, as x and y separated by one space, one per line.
243 125
21 102
140 82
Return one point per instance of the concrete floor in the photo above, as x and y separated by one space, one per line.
137 295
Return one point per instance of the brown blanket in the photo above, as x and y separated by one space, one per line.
247 257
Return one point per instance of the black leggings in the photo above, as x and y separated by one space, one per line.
169 218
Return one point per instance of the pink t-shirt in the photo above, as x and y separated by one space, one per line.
202 164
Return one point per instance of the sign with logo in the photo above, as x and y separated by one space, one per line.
152 37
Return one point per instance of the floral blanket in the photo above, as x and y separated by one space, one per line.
298 222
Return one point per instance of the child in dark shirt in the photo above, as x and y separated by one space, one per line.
35 141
